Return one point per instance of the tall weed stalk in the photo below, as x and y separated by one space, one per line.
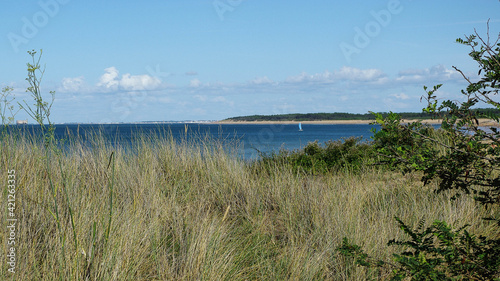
40 111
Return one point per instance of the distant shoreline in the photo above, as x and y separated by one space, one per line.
296 122
317 122
482 122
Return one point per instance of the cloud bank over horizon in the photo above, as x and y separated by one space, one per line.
347 89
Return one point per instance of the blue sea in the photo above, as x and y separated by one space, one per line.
253 139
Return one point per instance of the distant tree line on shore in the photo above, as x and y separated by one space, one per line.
341 116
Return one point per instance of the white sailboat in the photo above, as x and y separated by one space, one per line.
300 127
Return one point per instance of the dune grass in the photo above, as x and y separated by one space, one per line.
164 210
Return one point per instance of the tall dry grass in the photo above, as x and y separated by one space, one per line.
193 211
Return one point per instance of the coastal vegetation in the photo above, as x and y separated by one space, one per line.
346 154
465 163
189 209
167 210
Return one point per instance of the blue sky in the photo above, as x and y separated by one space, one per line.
158 60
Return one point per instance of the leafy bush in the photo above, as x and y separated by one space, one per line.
466 161
349 153
408 147
436 252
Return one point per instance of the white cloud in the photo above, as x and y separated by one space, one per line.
110 80
195 83
303 77
437 73
139 82
346 73
72 84
325 77
360 75
261 80
401 96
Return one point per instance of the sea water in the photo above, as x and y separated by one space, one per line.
252 140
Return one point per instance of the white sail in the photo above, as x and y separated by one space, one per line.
300 126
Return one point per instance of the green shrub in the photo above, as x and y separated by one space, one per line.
463 158
349 153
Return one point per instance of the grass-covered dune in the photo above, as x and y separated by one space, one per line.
165 210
